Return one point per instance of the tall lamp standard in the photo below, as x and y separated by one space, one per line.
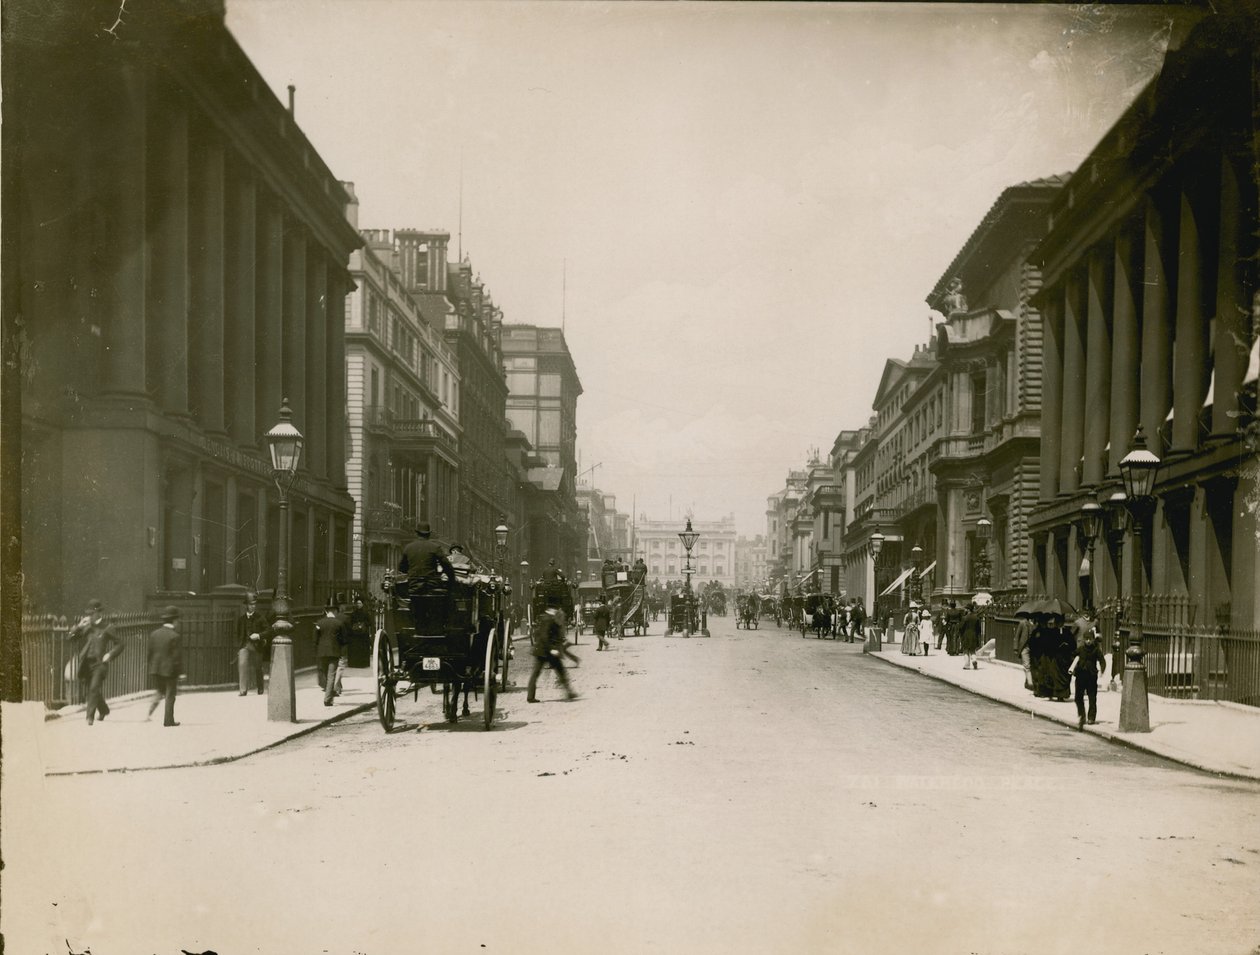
688 538
916 589
982 569
1138 468
284 441
525 585
874 638
1091 522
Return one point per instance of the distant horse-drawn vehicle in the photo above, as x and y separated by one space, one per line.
747 611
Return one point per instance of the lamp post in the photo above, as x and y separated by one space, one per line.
981 569
688 538
1091 521
284 441
1138 468
916 589
525 585
874 637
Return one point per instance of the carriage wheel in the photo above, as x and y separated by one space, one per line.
383 677
505 653
490 684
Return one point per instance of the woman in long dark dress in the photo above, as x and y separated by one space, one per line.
1048 646
1039 645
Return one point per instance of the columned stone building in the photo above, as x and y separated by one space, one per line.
180 269
1150 312
403 411
985 428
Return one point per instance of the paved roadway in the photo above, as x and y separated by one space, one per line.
753 792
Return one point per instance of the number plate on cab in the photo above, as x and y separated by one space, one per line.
432 663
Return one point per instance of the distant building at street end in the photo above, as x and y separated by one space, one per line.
750 562
182 253
712 558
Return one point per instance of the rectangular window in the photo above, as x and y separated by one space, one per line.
522 382
549 385
520 363
548 428
523 420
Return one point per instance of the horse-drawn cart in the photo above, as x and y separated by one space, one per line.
449 637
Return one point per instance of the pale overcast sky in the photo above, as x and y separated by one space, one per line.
752 199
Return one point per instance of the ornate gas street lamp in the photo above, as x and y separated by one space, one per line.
1138 468
688 538
1090 524
874 639
284 441
916 588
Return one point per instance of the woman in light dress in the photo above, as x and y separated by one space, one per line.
910 636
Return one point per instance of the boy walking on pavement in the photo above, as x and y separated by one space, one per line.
166 663
1087 664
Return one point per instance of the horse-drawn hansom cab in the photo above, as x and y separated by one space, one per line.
747 611
449 636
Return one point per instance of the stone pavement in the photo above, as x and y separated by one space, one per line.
215 726
1216 737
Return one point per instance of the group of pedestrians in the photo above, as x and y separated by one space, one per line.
959 629
98 645
1054 652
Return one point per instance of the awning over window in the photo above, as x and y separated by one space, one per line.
898 582
927 570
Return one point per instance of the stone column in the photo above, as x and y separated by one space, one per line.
240 294
316 360
1191 363
293 345
335 406
1125 348
205 325
1051 392
268 315
1233 308
123 196
1156 328
1098 363
1072 424
166 306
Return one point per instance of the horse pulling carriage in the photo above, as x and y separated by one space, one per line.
747 611
685 616
816 615
450 637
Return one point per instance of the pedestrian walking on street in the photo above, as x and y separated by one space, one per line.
925 629
331 638
99 646
953 622
253 629
969 636
549 647
600 623
1088 663
166 665
857 620
910 635
1023 632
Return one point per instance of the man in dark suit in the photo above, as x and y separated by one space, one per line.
166 664
423 561
98 648
332 636
252 631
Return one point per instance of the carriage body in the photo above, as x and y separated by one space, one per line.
747 611
450 639
684 616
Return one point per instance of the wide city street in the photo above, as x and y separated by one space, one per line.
751 792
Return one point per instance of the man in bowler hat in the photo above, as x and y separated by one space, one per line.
332 636
166 664
98 648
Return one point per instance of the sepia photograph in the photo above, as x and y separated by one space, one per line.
629 476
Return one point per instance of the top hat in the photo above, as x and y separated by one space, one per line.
170 613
